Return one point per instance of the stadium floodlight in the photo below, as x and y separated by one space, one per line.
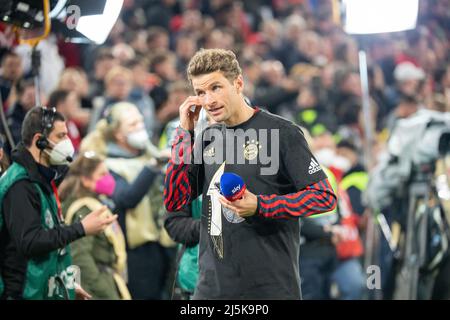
379 16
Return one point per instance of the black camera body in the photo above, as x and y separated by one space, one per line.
444 143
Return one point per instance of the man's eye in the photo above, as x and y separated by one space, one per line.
215 88
200 94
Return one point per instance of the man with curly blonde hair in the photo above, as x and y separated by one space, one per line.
248 247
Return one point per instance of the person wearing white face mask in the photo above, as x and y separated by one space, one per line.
355 177
122 139
138 139
35 260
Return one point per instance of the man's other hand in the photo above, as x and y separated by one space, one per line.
244 207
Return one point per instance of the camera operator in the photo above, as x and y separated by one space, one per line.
35 262
402 187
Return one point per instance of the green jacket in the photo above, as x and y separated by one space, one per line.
188 268
95 257
50 276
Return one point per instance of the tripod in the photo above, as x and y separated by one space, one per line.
422 190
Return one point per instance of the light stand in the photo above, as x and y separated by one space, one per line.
35 69
368 17
366 107
407 279
372 237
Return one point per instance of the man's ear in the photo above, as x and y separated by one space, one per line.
36 137
239 84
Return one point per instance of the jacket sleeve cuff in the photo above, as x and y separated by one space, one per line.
183 134
79 230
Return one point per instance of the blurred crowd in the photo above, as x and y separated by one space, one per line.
297 62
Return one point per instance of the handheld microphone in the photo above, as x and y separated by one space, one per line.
232 186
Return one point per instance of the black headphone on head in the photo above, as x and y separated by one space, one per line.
48 116
108 116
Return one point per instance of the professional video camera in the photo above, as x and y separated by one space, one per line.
415 145
444 143
405 178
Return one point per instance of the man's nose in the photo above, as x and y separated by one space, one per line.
209 99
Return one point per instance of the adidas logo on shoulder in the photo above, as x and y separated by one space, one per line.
313 167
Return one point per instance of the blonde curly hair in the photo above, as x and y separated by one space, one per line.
106 128
211 60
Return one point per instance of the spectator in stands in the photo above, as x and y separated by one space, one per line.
157 39
75 79
408 78
119 84
185 47
11 71
163 65
274 87
354 179
178 92
25 91
143 81
68 104
104 62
